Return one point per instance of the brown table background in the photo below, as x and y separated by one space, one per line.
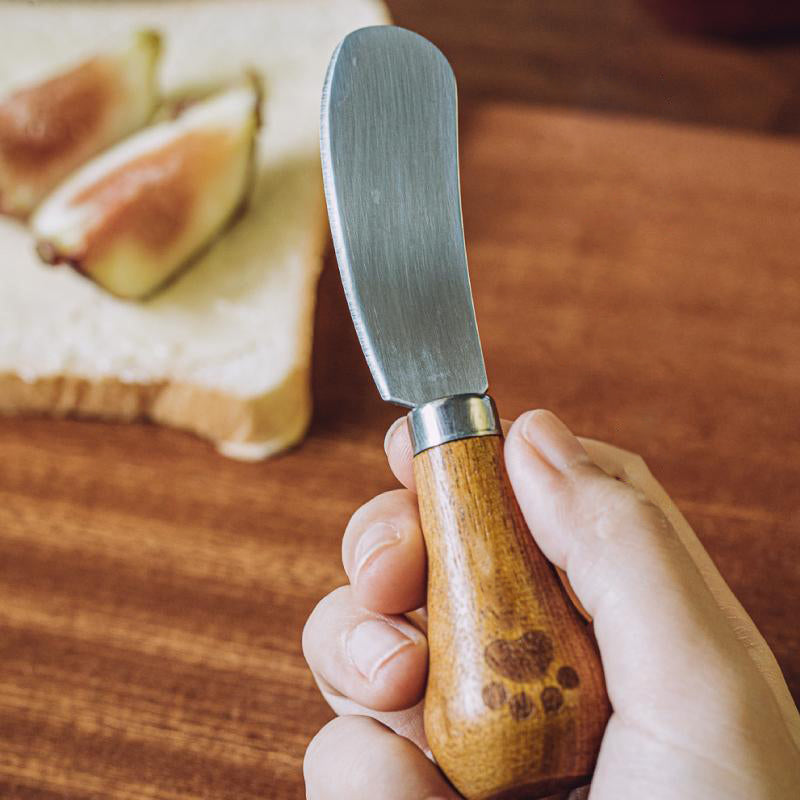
631 202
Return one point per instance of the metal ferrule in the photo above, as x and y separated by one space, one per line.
461 416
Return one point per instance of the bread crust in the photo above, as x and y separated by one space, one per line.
248 428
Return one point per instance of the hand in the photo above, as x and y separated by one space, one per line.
700 708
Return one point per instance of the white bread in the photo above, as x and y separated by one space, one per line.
225 350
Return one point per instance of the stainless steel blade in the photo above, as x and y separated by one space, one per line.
389 144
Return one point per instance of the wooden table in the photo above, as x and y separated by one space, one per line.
637 276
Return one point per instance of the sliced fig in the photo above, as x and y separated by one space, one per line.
50 128
136 214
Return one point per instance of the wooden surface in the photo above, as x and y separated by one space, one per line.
504 642
639 278
615 55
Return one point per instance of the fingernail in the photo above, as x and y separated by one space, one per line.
552 440
371 644
392 428
377 537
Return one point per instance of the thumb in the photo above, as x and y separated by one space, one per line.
654 617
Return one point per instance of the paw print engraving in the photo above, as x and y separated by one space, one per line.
494 695
520 705
552 699
522 660
568 678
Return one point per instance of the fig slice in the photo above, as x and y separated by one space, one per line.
50 128
135 215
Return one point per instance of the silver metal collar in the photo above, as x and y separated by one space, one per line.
461 416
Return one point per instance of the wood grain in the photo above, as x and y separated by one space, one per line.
639 278
516 704
615 56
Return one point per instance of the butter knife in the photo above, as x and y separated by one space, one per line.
515 704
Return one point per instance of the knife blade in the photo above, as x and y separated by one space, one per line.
500 626
399 214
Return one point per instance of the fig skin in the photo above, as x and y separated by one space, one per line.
49 128
166 194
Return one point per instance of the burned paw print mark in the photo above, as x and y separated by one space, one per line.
494 695
568 678
552 699
523 660
521 706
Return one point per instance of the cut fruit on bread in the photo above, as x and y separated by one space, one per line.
50 127
133 216
224 350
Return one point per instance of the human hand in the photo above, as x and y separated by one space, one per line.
700 708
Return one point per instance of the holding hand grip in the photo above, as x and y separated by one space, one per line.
516 703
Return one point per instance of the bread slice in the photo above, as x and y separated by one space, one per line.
224 351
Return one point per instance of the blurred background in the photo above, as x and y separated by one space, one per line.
728 63
631 182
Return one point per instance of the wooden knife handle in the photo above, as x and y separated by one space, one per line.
516 703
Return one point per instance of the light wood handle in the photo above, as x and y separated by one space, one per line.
516 703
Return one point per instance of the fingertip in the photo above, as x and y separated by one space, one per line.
543 458
553 442
399 682
383 553
391 655
393 581
529 471
390 432
514 434
378 661
398 449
